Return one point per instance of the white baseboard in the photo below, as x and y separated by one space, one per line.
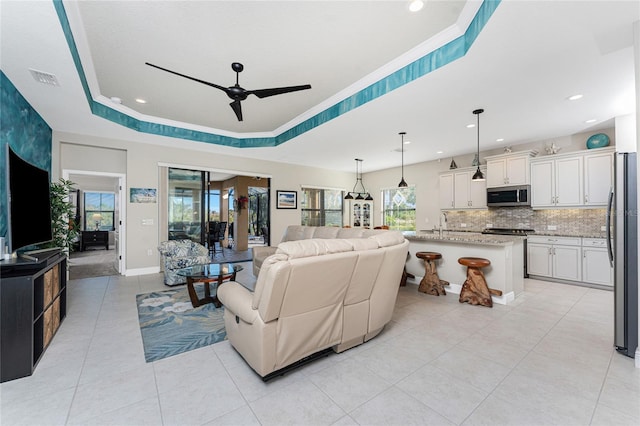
505 299
142 271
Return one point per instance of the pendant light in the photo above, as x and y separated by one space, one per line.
354 195
402 183
478 174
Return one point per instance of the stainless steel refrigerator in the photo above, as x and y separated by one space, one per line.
622 239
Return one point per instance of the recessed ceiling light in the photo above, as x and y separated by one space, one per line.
470 126
591 120
407 142
439 152
116 99
416 5
141 101
574 97
500 140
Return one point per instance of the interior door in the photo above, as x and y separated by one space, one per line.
118 262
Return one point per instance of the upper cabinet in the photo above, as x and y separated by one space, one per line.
598 177
459 191
508 169
574 179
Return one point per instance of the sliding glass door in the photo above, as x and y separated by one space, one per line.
187 204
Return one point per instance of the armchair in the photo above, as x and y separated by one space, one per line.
177 254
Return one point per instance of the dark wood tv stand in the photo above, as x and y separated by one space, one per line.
33 303
94 238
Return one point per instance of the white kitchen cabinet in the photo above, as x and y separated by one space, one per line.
556 182
508 169
555 257
445 197
596 268
539 259
598 177
458 191
468 193
577 179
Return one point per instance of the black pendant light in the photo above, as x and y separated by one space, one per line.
402 183
478 174
354 195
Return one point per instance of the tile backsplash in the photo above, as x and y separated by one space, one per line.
579 222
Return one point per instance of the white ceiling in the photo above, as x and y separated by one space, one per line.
529 57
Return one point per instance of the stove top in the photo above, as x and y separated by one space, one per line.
508 231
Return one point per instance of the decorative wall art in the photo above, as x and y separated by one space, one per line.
142 195
286 200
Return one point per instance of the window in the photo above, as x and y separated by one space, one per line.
321 207
399 208
99 211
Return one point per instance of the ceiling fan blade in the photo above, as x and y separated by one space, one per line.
224 89
263 93
237 108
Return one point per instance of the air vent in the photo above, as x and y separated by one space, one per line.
44 77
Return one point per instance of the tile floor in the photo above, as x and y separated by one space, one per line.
546 359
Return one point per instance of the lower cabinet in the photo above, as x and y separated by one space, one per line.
570 258
596 268
555 257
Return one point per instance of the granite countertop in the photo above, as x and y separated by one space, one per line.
463 237
476 237
566 234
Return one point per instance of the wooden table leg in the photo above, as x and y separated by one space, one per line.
192 293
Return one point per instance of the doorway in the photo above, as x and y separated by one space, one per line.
100 213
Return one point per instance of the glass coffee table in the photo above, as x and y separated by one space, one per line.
209 273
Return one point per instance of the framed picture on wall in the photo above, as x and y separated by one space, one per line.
286 200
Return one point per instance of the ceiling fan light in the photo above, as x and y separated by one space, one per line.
478 175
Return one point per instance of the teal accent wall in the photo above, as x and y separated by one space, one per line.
21 128
428 63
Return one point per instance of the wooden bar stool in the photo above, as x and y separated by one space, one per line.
475 289
431 283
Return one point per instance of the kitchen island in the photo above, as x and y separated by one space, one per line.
506 253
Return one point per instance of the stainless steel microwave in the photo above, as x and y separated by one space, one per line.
509 196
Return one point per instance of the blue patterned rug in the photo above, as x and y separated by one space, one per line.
170 325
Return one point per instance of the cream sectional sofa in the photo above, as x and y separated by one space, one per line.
314 294
300 232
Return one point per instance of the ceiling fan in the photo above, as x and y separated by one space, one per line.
236 92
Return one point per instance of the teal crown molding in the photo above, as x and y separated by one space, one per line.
438 58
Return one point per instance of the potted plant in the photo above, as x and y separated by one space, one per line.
63 225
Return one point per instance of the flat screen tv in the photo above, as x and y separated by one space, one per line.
29 201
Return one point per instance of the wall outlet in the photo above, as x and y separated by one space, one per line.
552 227
489 225
603 228
463 225
150 252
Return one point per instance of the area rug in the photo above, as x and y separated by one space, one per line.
170 325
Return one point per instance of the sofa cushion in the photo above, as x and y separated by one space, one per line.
388 238
313 247
359 244
350 232
325 232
